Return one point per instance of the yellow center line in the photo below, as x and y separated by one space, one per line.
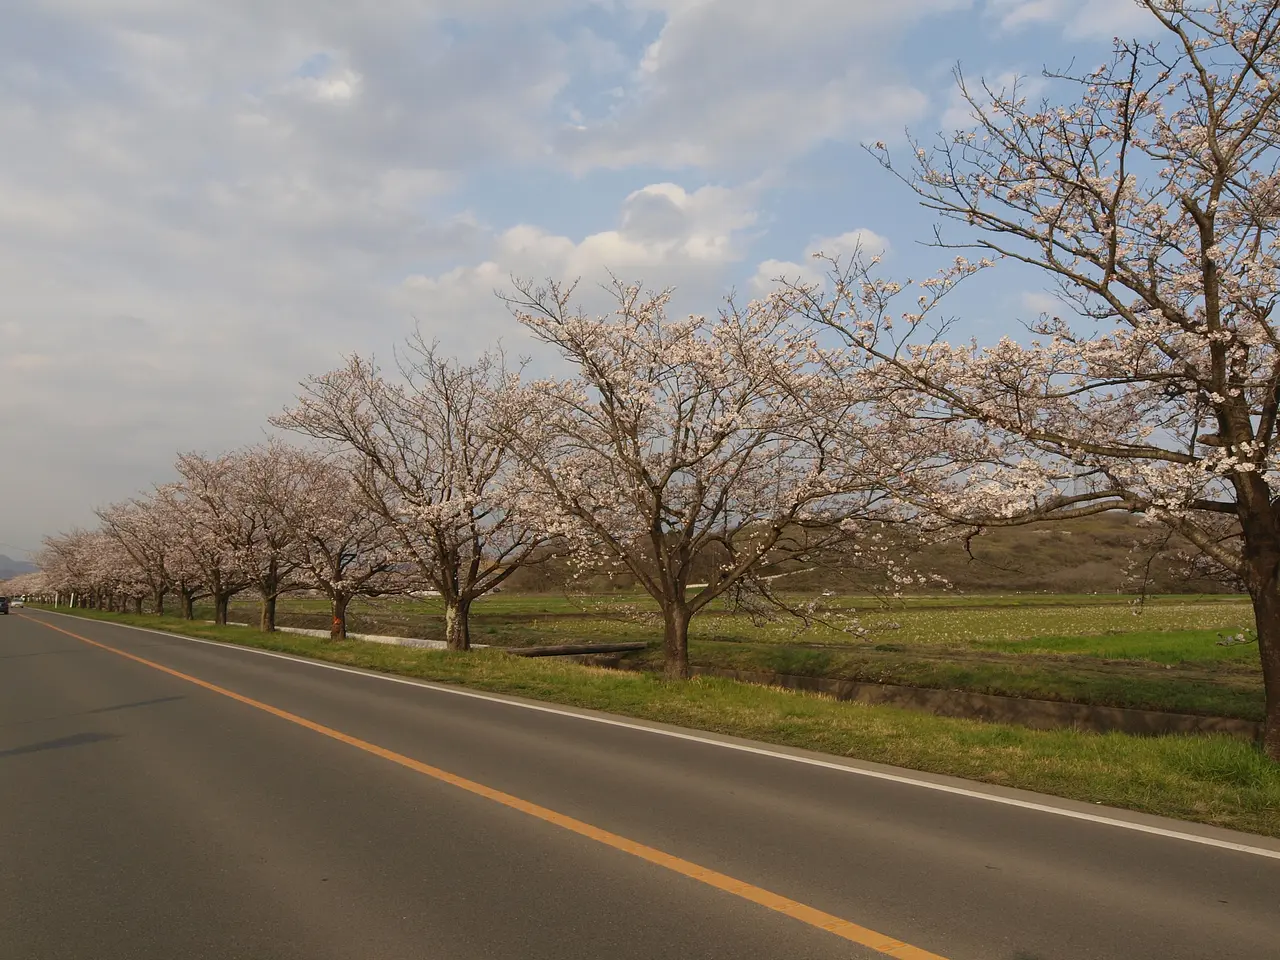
805 914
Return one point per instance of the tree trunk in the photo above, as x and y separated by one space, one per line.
457 624
675 642
220 603
1266 613
338 630
157 601
268 623
137 605
187 601
1262 556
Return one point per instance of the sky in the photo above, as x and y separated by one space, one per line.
203 203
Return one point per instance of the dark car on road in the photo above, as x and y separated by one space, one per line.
4 604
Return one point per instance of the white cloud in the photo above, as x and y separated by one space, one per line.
666 236
861 241
339 86
1080 19
661 225
1039 302
202 202
193 217
769 82
959 113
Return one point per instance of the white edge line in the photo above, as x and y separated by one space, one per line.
740 747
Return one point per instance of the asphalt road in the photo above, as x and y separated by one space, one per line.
143 815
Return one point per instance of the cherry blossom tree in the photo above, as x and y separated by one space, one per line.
94 567
340 546
138 527
1152 200
266 494
67 562
679 439
204 508
431 466
191 559
31 585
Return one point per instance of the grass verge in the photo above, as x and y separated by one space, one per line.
1209 779
1211 692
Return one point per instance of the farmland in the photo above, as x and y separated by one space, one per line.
1101 649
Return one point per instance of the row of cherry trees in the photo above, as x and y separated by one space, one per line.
674 442
269 519
825 414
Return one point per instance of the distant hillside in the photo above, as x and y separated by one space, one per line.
14 568
1109 553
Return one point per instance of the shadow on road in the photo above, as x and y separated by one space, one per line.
75 740
136 703
85 713
47 653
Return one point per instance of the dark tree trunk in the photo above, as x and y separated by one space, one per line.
187 600
338 630
675 642
1266 613
137 605
1262 559
268 624
221 600
157 602
457 624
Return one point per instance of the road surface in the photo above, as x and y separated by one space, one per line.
213 802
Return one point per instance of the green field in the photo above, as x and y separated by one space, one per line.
1096 649
949 621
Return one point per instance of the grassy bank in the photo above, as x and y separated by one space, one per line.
1214 780
1087 679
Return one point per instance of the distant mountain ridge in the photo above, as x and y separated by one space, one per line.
14 568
